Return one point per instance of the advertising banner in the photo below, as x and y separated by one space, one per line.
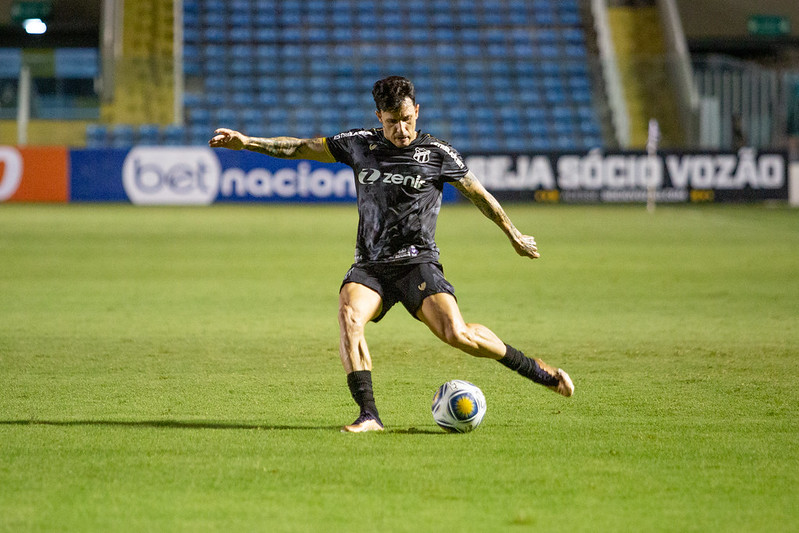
197 175
36 174
631 177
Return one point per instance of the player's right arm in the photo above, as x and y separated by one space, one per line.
282 147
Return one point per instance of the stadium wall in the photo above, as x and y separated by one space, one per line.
194 175
729 18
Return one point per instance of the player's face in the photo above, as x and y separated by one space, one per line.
399 126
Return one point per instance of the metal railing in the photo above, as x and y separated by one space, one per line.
744 104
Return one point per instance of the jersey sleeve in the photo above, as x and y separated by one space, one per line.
341 146
453 168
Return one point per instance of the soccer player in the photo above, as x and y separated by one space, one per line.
399 175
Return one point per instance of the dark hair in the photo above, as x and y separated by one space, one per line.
389 93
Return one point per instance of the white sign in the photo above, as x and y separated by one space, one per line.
160 175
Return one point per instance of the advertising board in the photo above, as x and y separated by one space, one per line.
630 177
33 174
196 175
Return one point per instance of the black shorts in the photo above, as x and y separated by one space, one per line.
409 284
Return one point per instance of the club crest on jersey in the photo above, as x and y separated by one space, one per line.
422 155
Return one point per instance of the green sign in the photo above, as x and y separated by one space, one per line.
771 25
30 9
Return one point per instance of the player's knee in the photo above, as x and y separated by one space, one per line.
458 337
350 318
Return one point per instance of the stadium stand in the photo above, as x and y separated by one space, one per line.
490 75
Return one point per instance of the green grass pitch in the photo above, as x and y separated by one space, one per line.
176 369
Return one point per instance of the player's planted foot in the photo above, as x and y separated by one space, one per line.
564 387
365 422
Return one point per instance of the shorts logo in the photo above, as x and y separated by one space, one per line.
422 155
422 286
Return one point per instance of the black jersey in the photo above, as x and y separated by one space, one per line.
399 193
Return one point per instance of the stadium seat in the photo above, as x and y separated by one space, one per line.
148 134
174 135
462 55
122 136
198 115
96 136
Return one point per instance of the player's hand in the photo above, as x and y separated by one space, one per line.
226 138
526 247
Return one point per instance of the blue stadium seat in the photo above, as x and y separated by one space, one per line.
341 18
265 34
581 96
214 19
267 99
573 35
174 135
465 55
242 98
148 135
276 115
96 136
467 19
198 115
225 115
192 99
191 35
122 136
242 66
241 34
191 20
214 5
241 6
214 35
570 19
240 18
191 6
576 51
216 84
544 18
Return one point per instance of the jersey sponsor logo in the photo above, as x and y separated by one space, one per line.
422 155
10 171
450 152
171 176
369 176
404 253
348 134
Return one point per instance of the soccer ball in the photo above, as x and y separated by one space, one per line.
459 406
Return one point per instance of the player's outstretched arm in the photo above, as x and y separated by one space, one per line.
282 147
470 187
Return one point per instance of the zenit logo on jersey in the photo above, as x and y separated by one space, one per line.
368 176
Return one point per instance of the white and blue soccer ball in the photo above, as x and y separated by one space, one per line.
459 406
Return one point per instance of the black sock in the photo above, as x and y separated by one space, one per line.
527 367
360 384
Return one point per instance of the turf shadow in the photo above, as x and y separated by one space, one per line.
171 424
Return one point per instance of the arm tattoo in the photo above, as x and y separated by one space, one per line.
485 202
282 147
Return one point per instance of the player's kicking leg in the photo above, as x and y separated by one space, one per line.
441 314
358 304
